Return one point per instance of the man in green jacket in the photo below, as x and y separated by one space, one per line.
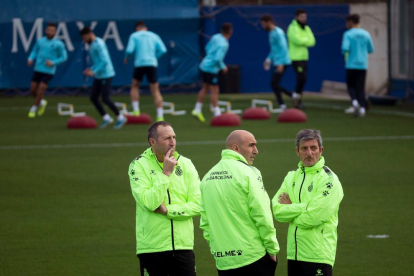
166 188
300 38
236 216
309 200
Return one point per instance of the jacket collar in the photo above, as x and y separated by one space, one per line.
318 166
149 154
299 25
231 154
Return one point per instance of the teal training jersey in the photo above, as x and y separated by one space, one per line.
279 50
357 43
102 63
48 49
146 47
216 50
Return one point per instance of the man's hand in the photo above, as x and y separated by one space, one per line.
88 72
162 210
266 64
49 63
169 162
280 68
30 62
225 70
274 258
284 199
125 61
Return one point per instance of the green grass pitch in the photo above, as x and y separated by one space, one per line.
68 210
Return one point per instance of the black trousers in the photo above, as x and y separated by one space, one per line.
102 88
299 268
262 267
301 70
275 83
168 263
355 80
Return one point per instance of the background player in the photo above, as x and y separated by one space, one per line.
300 37
278 56
210 66
48 53
147 47
356 45
103 71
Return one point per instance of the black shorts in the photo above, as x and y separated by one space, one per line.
209 78
149 71
41 77
168 263
262 267
308 269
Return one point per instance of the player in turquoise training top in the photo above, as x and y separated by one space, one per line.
236 216
47 53
103 71
309 201
145 48
210 67
356 45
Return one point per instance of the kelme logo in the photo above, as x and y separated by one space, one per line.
231 253
319 272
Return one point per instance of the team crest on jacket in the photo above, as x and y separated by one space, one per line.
178 171
310 188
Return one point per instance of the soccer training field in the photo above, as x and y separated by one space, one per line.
66 206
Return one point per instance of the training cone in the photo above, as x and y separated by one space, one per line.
81 122
256 113
226 119
292 115
142 119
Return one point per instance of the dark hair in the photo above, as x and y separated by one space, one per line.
140 24
299 11
354 18
226 28
266 18
51 24
153 129
85 30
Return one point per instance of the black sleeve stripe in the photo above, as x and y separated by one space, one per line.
327 170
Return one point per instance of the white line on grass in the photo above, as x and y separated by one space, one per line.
195 143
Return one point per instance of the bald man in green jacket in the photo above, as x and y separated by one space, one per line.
236 216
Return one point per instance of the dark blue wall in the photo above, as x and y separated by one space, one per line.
249 45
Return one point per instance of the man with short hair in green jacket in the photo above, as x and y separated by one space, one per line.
300 38
236 216
166 189
309 200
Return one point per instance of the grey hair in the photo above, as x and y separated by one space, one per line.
308 134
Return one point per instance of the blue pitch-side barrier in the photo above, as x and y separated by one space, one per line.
176 21
249 44
178 24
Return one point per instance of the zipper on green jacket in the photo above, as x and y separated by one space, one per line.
169 202
300 191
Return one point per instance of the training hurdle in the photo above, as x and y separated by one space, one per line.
266 104
225 106
65 109
171 109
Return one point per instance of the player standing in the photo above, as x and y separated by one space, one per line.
210 66
147 47
356 45
48 53
103 71
300 38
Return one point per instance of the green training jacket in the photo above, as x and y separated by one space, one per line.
236 216
180 193
299 40
315 193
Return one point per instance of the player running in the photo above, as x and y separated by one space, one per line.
103 71
147 47
48 53
210 66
